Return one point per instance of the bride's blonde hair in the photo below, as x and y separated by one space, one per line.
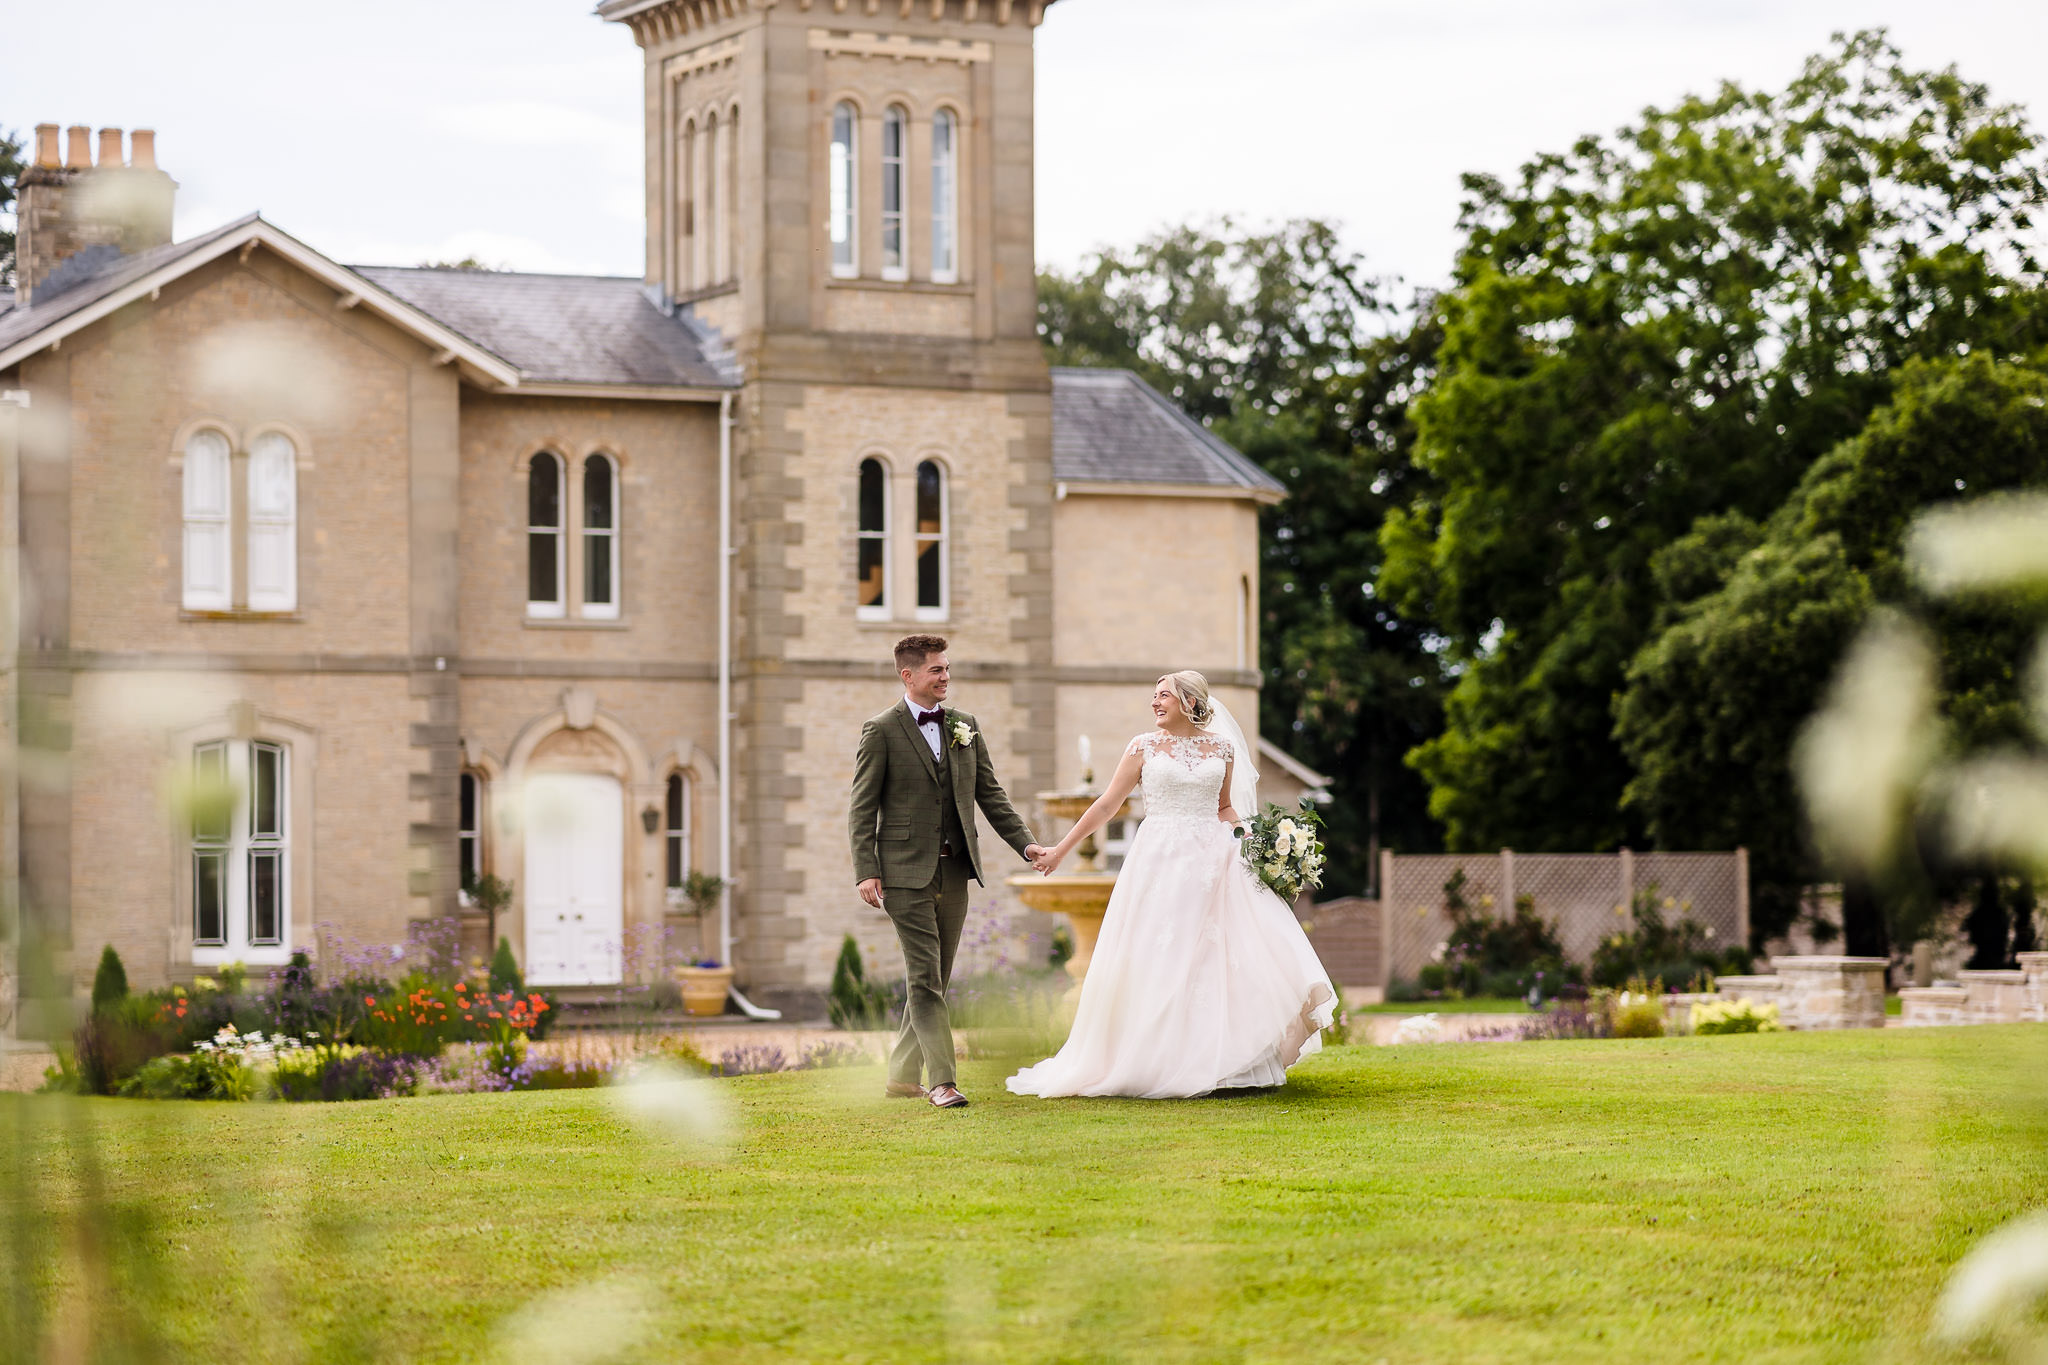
1192 690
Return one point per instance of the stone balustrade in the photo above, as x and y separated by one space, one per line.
1815 992
1982 997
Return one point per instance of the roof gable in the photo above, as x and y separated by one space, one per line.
1111 427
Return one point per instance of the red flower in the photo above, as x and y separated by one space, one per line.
369 1000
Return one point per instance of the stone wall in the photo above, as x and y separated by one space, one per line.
1982 997
1817 992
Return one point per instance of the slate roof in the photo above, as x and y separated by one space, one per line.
564 329
1109 426
91 275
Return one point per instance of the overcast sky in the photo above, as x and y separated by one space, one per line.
397 131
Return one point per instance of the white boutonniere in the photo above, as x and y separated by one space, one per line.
963 734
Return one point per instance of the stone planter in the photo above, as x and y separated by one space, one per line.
704 989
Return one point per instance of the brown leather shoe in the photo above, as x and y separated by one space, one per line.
903 1090
946 1096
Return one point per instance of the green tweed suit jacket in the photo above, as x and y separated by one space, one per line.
896 819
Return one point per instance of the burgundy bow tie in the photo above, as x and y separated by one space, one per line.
931 717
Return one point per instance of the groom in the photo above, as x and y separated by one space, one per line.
920 771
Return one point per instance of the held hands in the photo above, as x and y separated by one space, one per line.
1043 860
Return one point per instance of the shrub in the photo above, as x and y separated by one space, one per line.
1504 957
110 982
1568 1019
420 1016
505 969
680 1051
827 1055
1402 991
751 1060
115 1042
853 1001
342 1072
1677 951
1638 1012
201 1076
1734 1016
1433 979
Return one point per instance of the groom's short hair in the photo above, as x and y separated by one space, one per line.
913 650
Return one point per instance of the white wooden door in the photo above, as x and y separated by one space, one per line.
575 895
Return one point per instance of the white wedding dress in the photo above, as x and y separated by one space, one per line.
1202 979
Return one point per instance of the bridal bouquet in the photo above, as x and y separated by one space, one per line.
1281 849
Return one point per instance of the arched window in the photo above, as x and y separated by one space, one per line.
871 568
209 566
469 831
714 164
240 846
687 275
729 196
945 197
839 221
932 588
895 192
273 523
677 827
544 559
600 538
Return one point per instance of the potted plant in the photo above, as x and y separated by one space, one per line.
705 983
490 894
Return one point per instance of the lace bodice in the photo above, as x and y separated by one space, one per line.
1182 775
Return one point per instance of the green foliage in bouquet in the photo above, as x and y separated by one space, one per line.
1281 848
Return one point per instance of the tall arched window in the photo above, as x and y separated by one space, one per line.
600 538
945 197
714 161
469 831
871 566
209 563
895 193
544 559
273 523
839 222
729 196
932 588
677 829
687 276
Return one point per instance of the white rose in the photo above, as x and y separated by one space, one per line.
1283 845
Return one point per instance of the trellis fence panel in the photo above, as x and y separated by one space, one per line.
1584 895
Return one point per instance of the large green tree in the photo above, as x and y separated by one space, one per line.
1283 345
11 167
1669 324
1756 618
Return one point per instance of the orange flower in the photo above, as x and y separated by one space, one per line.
496 1015
369 1000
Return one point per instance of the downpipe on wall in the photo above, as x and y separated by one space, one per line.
726 551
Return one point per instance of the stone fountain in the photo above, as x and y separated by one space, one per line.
1082 895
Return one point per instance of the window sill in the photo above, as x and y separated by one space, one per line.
575 623
901 622
242 615
901 286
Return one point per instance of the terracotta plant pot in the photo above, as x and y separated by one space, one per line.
704 989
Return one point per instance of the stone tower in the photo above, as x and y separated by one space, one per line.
843 189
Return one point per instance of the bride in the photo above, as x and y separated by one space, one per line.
1202 979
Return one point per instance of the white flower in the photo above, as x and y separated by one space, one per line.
963 734
1284 845
1418 1028
1436 954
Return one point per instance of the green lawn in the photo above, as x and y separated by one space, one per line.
1477 1004
1788 1197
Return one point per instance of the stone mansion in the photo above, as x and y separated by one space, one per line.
583 582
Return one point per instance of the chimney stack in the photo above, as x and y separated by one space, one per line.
108 209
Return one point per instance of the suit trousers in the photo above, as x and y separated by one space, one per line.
928 920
